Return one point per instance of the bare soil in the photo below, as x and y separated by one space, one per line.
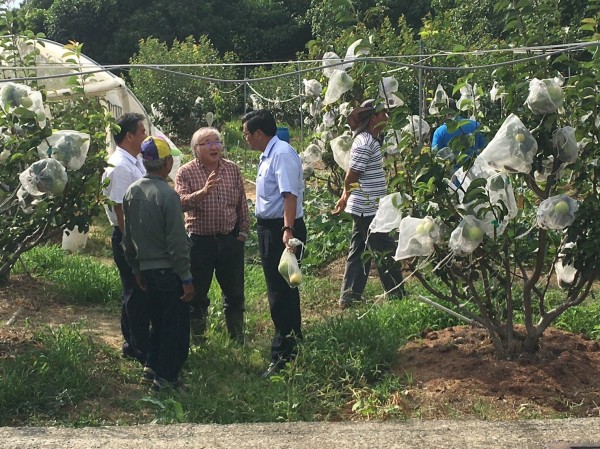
455 373
27 304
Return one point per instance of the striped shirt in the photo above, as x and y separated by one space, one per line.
223 208
366 159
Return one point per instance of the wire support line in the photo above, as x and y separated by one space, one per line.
577 47
439 53
236 88
270 100
514 50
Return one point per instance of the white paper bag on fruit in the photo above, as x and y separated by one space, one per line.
68 147
556 212
416 237
500 190
545 96
565 273
339 83
512 149
340 146
388 215
44 176
565 143
467 236
417 127
440 100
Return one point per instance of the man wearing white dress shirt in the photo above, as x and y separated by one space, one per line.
126 167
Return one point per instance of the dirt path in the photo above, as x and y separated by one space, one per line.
533 434
250 188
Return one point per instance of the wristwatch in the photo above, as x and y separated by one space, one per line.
286 228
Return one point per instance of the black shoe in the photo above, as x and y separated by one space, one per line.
148 376
164 385
127 352
273 369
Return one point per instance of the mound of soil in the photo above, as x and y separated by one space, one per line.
454 372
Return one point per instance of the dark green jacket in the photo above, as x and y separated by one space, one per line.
155 235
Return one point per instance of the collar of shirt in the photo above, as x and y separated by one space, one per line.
137 161
269 147
205 168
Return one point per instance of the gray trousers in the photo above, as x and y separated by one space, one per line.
358 263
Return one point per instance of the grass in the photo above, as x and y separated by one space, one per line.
58 375
61 376
79 279
58 369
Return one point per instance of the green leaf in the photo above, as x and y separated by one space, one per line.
475 195
478 182
513 24
454 125
17 157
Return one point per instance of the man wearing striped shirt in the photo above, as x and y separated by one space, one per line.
366 169
216 217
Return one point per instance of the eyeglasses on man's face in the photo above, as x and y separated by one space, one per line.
216 144
247 133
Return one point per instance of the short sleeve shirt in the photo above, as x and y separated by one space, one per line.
366 159
279 171
123 170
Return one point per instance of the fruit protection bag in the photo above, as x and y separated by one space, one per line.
440 99
565 273
341 150
416 237
565 143
512 149
288 264
500 190
417 127
388 215
545 96
68 147
556 212
467 236
44 176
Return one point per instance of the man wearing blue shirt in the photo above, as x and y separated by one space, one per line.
442 137
279 217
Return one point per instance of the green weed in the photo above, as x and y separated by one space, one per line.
79 278
343 368
53 374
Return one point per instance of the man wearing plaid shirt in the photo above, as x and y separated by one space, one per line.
216 217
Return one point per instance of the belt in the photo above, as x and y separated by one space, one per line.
269 221
273 222
211 236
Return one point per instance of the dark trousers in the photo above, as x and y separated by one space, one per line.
135 321
170 318
223 256
357 267
284 301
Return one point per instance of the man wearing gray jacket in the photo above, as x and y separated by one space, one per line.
156 246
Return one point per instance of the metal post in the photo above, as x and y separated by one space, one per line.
421 96
447 310
245 110
301 112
